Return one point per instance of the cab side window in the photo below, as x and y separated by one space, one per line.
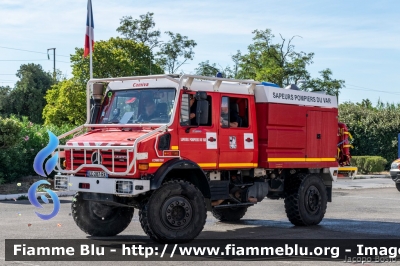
234 112
189 110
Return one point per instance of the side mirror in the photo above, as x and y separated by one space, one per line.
202 112
95 101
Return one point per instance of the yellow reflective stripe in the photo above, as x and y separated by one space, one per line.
301 159
286 159
200 164
348 146
320 159
174 147
348 168
238 164
155 164
348 133
207 164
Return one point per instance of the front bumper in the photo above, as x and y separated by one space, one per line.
395 174
121 187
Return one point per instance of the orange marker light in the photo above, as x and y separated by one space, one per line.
143 166
171 153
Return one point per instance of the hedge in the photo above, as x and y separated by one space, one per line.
9 129
369 164
16 160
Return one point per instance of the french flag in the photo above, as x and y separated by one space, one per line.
89 30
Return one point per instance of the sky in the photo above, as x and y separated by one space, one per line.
358 40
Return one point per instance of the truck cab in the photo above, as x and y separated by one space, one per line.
175 147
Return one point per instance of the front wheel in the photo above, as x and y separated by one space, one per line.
306 199
398 186
174 213
98 219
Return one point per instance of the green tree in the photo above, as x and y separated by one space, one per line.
9 132
5 107
117 57
210 70
233 72
278 63
140 30
66 103
207 69
175 52
326 83
374 128
27 98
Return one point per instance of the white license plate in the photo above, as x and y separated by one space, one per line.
96 174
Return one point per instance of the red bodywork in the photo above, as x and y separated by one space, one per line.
292 136
278 136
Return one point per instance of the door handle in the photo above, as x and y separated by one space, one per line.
212 139
249 140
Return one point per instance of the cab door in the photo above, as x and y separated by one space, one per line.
198 143
238 145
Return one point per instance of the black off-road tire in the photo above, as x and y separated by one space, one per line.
174 213
398 186
98 219
229 214
306 199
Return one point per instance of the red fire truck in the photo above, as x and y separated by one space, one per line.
175 147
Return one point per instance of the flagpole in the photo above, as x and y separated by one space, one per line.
90 38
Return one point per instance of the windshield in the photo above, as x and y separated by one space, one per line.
138 106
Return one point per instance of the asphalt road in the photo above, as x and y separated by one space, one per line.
366 208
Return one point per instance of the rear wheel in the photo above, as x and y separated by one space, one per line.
97 219
229 214
176 212
306 199
398 186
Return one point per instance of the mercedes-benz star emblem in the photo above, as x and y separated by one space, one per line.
96 157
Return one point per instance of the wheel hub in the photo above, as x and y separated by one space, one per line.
313 200
176 212
102 211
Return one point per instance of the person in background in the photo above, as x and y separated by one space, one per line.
233 116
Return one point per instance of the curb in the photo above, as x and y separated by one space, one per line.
15 196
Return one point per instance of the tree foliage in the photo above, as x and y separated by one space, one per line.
325 83
374 128
66 103
27 97
9 131
140 30
174 53
207 69
115 57
5 106
275 62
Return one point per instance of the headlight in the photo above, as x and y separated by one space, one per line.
124 187
395 166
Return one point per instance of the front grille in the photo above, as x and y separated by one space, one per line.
78 158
